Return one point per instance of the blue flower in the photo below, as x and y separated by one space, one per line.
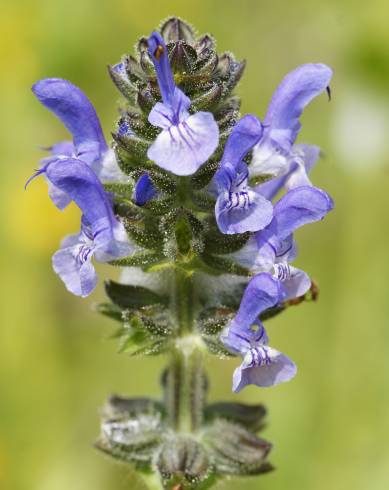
302 161
186 141
238 207
78 115
272 248
102 236
275 154
144 190
245 335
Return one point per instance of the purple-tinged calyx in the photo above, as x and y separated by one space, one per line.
186 141
245 335
238 207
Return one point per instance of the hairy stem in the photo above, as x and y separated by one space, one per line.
185 380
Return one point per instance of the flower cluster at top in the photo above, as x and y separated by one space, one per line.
190 184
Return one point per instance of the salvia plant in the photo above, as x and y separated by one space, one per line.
186 201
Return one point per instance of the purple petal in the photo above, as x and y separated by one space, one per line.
296 90
245 134
159 54
239 340
279 370
59 198
144 190
298 207
297 175
307 156
297 284
261 293
256 256
118 247
183 148
107 168
272 187
80 183
75 110
74 267
269 158
238 212
63 148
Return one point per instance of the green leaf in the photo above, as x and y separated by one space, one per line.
127 296
250 416
141 259
120 189
219 243
183 58
208 100
153 348
111 311
224 265
148 237
175 29
122 83
182 461
131 439
205 173
215 346
159 206
135 146
212 320
132 341
235 450
119 407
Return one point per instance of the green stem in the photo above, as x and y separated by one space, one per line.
185 379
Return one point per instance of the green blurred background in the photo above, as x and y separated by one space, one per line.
329 426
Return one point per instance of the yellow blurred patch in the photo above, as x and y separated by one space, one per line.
19 27
37 226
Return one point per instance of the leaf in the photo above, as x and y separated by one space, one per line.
224 265
127 296
118 406
132 439
120 190
182 460
235 450
207 100
141 259
250 416
215 346
219 243
111 311
148 237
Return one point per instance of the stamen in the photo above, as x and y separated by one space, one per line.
36 174
158 52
